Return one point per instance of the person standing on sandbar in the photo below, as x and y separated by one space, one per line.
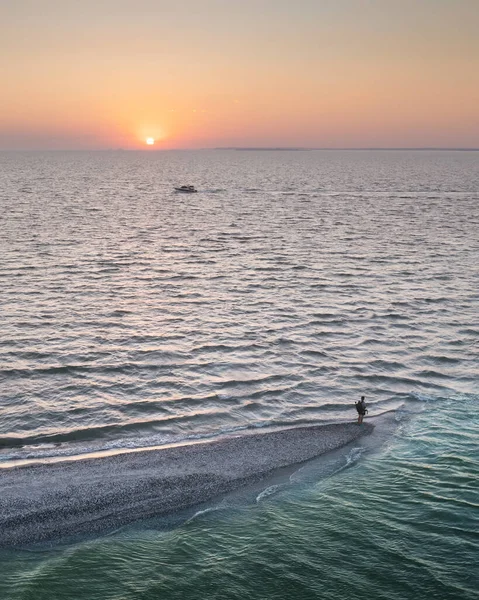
362 410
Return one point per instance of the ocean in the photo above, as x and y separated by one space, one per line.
292 283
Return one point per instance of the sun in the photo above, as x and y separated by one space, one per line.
150 141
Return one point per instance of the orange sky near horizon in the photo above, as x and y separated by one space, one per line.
208 73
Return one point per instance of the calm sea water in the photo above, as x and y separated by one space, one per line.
290 284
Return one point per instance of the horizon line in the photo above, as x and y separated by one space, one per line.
251 148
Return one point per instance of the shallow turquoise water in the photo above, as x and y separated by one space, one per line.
401 522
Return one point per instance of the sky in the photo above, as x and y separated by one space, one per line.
98 74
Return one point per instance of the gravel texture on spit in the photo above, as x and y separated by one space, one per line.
43 502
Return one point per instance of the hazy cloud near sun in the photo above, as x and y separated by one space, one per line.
214 72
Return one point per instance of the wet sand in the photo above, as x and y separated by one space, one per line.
42 502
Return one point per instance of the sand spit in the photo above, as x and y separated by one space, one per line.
41 502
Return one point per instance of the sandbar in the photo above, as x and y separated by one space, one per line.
45 502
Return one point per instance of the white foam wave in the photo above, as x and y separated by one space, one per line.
205 511
269 491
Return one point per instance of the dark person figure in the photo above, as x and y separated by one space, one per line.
362 410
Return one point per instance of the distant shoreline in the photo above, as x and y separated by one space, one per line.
245 149
287 149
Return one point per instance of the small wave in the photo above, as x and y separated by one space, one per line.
469 331
353 456
441 359
430 373
269 491
120 313
387 365
73 369
232 383
393 380
406 411
205 511
100 433
329 322
315 353
325 467
423 397
207 348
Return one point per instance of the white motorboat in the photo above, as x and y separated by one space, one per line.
186 189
